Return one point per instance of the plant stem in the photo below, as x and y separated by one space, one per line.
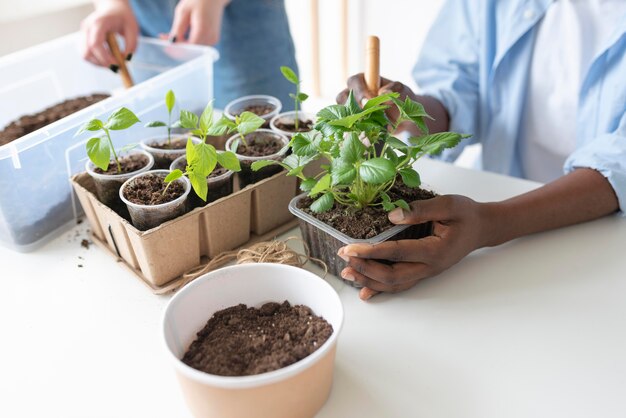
117 160
296 122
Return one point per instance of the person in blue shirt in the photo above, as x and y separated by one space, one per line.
251 36
542 85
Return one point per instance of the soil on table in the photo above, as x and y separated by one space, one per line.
303 125
368 222
30 123
259 110
242 341
259 145
176 143
129 164
148 190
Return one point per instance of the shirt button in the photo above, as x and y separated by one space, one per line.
529 14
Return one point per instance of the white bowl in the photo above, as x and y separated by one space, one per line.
298 390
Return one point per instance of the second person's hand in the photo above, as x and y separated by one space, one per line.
198 21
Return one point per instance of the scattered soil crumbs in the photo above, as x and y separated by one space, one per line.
30 123
176 143
368 222
128 164
85 243
259 145
242 341
148 190
303 125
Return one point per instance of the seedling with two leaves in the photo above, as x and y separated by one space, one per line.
364 158
299 96
170 101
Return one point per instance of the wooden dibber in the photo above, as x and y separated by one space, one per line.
120 60
372 59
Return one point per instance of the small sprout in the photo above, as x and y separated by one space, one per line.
170 101
100 148
299 97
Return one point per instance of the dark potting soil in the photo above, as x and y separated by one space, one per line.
368 222
259 144
30 123
176 143
303 125
129 164
259 110
148 190
242 341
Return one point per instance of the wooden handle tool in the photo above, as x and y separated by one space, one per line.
120 60
372 72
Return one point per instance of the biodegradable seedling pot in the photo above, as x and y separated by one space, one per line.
247 175
163 156
324 241
261 105
218 185
145 217
295 391
288 118
108 185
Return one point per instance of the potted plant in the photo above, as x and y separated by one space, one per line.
108 168
201 159
152 201
261 105
369 173
289 123
165 149
297 385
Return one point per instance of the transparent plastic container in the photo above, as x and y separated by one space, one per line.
36 199
163 157
218 186
324 241
239 105
146 217
246 175
289 117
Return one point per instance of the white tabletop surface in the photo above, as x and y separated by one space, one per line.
533 328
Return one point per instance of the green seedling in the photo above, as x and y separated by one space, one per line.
298 97
202 158
170 101
244 124
100 148
364 158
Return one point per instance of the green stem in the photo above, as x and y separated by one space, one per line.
297 121
169 129
117 161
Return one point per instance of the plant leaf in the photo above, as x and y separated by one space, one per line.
198 182
395 143
121 119
322 185
324 203
257 165
190 151
410 177
412 111
352 149
206 161
302 97
351 105
99 152
206 119
228 160
377 170
248 122
222 126
307 185
332 112
177 124
188 120
170 100
303 144
350 120
342 172
380 99
173 175
155 124
434 144
401 203
92 125
289 74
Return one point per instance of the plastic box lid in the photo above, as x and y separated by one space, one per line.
36 199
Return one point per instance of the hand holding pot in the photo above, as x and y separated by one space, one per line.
201 19
459 224
109 16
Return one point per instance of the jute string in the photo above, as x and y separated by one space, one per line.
275 251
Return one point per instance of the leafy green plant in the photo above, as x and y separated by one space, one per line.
170 101
245 123
202 158
100 148
364 158
298 97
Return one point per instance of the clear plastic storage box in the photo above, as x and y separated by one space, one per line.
36 199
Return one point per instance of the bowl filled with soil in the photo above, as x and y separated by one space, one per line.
109 181
151 201
219 183
268 347
165 150
262 144
285 123
328 231
261 105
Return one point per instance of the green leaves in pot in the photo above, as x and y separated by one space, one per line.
170 101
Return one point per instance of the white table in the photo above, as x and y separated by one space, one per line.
534 328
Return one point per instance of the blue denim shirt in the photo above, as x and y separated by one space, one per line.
254 42
476 61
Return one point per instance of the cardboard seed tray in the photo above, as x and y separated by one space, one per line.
159 256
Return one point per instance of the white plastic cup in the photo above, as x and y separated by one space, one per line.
108 185
290 117
296 391
239 105
163 157
145 217
218 186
